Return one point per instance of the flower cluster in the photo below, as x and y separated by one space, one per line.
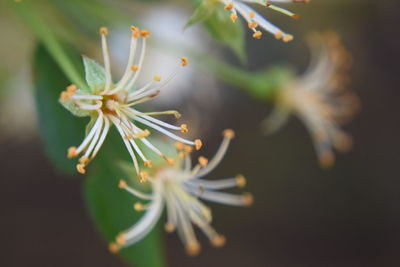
255 20
178 188
108 103
320 98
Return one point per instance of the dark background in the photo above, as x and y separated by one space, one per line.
303 216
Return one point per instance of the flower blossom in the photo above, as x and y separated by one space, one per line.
255 20
179 188
108 103
319 98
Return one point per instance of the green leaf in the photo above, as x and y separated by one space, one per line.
95 74
202 12
58 128
229 33
110 207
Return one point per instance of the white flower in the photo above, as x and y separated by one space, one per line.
320 98
255 20
115 104
179 189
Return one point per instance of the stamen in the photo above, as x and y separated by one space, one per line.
120 239
257 35
72 152
157 78
143 176
229 6
148 164
193 249
248 199
184 128
241 181
122 184
185 61
233 17
113 248
203 161
229 133
169 227
134 68
198 144
218 241
145 33
81 168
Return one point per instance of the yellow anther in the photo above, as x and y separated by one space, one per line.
198 144
184 61
287 38
113 248
145 33
229 6
229 133
177 115
143 176
71 152
193 249
257 35
241 181
296 16
179 145
218 241
135 31
103 31
120 239
169 227
233 17
148 163
252 25
278 35
81 168
122 184
248 199
188 149
143 134
134 68
252 15
138 206
184 128
157 78
326 159
83 160
203 161
71 88
170 161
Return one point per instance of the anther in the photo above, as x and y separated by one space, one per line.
81 168
229 133
71 152
184 61
248 199
193 248
143 134
103 31
138 206
233 17
177 115
135 31
252 25
120 239
169 227
188 149
287 38
218 241
145 33
198 144
203 161
143 176
148 163
157 78
83 160
257 35
179 145
241 181
229 6
113 248
278 35
326 159
252 15
184 128
134 68
122 184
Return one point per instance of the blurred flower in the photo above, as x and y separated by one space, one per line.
108 103
255 20
319 98
178 188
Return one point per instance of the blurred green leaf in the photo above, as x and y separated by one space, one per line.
110 207
59 129
95 74
202 12
227 32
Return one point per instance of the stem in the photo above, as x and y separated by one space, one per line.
49 40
